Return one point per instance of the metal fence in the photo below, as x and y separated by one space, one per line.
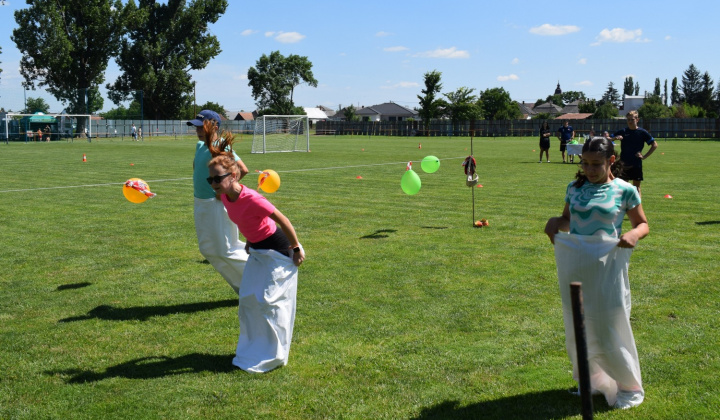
147 129
691 128
660 128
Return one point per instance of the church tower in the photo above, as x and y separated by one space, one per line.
558 91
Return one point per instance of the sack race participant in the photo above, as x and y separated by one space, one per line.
596 253
267 294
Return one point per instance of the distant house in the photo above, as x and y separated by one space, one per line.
572 108
338 115
315 115
388 111
633 103
548 108
526 110
329 112
574 116
241 116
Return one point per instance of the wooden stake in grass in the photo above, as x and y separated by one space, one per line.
581 347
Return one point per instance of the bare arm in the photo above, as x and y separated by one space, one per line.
242 168
289 231
640 228
653 146
557 224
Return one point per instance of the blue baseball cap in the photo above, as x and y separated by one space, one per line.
205 114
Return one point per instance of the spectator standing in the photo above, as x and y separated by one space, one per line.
632 141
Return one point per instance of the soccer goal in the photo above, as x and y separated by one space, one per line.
45 127
281 133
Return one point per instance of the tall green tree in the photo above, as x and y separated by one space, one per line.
588 107
462 106
191 111
666 93
692 85
555 99
66 46
350 113
33 105
675 96
611 96
656 90
654 108
570 96
496 104
705 97
637 88
430 104
273 81
605 111
163 42
628 86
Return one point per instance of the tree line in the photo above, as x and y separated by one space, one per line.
695 97
67 45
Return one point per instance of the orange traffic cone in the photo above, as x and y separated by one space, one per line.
84 158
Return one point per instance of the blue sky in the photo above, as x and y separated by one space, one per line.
369 52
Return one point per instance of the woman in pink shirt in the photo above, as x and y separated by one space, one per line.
269 283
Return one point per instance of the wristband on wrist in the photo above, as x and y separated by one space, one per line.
298 248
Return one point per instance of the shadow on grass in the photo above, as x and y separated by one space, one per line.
379 234
709 222
153 367
142 313
73 286
551 404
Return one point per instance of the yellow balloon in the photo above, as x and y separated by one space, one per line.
133 195
269 181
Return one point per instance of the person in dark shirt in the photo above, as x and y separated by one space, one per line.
632 141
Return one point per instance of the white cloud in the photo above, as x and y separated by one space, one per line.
554 30
668 37
401 85
269 33
515 60
584 83
383 33
451 52
508 77
582 61
247 32
395 49
240 77
289 37
620 35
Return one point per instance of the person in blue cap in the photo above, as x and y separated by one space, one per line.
218 238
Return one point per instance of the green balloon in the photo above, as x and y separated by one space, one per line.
430 164
410 182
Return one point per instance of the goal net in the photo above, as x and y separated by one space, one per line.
281 133
44 127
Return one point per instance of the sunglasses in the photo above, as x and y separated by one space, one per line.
217 178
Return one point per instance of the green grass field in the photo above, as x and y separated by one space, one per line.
405 311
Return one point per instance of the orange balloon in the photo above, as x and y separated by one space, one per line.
269 181
133 195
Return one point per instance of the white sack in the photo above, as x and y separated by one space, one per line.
219 241
602 268
267 311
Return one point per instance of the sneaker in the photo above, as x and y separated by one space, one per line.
629 399
539 161
548 161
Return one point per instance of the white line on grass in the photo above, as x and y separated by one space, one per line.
185 179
